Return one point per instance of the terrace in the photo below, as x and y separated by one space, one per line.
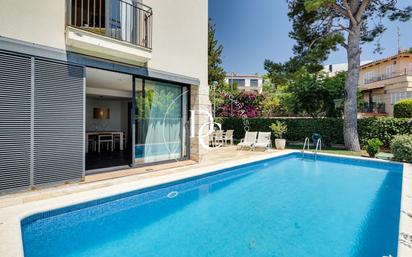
226 155
386 76
375 108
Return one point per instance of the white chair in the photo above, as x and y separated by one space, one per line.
228 137
116 140
263 141
92 142
212 139
124 140
105 139
248 141
218 137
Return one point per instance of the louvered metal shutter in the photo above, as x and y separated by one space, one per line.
58 122
15 123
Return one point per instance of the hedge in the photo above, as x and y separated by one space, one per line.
403 109
331 129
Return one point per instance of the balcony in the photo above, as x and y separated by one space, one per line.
119 30
375 108
387 76
384 80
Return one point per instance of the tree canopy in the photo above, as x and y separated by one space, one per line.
316 95
216 71
320 26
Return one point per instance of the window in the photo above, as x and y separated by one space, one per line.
369 76
389 71
376 99
237 82
397 96
254 82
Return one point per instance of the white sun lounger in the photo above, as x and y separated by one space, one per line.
263 141
248 141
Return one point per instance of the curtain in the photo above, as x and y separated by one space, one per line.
160 122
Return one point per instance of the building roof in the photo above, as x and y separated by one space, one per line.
387 59
338 67
228 75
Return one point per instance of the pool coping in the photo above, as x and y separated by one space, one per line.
10 217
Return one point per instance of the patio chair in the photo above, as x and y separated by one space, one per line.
212 139
105 139
218 137
228 137
248 141
263 141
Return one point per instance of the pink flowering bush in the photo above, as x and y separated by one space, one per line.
244 104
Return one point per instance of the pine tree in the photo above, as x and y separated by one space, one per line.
216 72
319 26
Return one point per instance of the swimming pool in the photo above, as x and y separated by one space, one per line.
285 206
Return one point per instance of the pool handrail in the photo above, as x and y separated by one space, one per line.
318 146
306 143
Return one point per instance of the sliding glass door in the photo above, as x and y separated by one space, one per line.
161 121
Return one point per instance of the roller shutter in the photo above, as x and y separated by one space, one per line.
58 122
15 121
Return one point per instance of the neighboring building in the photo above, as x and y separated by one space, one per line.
85 86
332 69
246 82
385 82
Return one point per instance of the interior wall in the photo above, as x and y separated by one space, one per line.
118 115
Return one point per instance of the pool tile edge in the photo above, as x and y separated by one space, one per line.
10 217
405 223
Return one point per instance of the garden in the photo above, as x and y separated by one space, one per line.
304 98
322 116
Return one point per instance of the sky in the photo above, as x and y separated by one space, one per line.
252 31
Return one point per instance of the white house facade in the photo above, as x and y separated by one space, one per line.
94 85
248 83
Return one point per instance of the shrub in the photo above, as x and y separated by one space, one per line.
403 109
373 147
271 105
243 103
401 148
383 128
279 128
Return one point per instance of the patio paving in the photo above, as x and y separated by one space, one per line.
215 157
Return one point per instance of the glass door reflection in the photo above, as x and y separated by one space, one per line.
161 121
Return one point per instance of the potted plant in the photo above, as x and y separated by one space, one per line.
279 128
373 146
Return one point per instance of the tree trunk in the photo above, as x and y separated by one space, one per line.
350 125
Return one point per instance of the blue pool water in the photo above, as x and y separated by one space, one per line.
286 206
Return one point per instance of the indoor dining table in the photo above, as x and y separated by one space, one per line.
97 133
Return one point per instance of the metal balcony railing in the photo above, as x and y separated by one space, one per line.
374 107
125 20
388 76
